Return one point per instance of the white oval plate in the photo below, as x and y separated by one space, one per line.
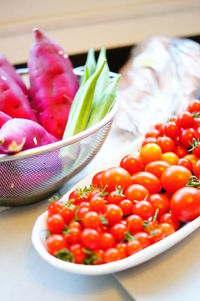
38 237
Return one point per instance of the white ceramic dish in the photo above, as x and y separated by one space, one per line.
38 239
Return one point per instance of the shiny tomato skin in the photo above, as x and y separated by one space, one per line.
180 151
150 152
78 253
118 231
170 219
111 255
54 243
167 229
134 223
133 246
131 163
126 206
55 207
144 238
160 202
194 106
196 169
185 120
157 167
73 236
174 178
113 214
185 204
186 137
144 209
152 133
91 220
55 223
115 177
148 180
97 203
96 180
166 143
171 129
90 239
115 197
186 163
170 158
106 241
149 140
137 192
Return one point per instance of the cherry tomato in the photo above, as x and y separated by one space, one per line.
160 202
55 223
97 203
186 163
68 213
196 169
181 151
118 231
192 158
185 120
171 129
113 214
126 206
185 204
90 239
111 255
157 167
149 140
194 106
99 256
148 180
144 238
116 196
150 152
78 196
166 143
55 207
106 241
54 243
156 235
175 177
73 236
96 180
186 137
133 246
196 150
137 192
131 163
170 219
134 223
152 133
91 220
82 212
78 253
74 224
144 209
115 177
121 247
170 158
167 229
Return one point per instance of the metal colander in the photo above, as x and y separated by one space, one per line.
34 174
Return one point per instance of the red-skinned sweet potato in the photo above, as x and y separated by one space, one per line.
4 118
53 84
20 134
13 101
10 70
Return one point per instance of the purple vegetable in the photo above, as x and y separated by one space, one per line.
53 84
20 134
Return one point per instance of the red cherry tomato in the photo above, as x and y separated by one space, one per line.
166 143
170 219
167 229
186 137
111 255
149 140
55 207
185 163
97 203
185 120
126 206
96 180
106 241
134 223
180 151
115 177
91 220
55 243
137 192
73 236
133 247
116 196
175 177
118 231
113 214
90 239
185 204
144 209
194 106
144 238
131 163
148 180
160 202
55 223
78 253
196 169
157 167
171 129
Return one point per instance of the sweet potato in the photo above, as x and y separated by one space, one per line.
53 84
13 101
10 70
19 134
4 118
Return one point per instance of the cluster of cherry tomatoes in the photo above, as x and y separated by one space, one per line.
136 204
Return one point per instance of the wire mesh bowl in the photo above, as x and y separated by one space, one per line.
33 174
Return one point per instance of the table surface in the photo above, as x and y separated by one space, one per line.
24 275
